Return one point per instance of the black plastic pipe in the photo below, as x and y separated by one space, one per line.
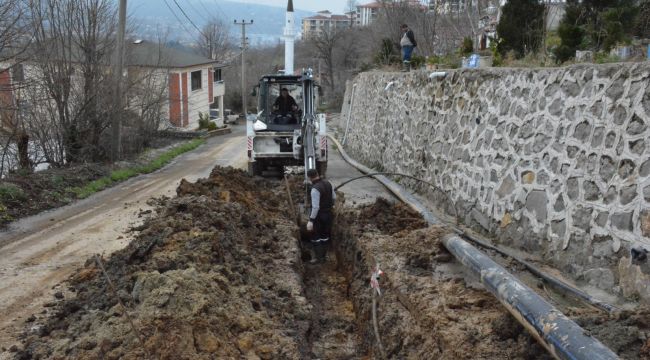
559 284
562 337
403 195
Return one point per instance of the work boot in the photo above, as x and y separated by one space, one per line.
320 252
313 257
406 66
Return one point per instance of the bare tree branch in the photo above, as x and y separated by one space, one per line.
214 41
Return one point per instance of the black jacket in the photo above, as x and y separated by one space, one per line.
411 37
285 106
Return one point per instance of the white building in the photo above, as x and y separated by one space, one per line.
322 22
367 13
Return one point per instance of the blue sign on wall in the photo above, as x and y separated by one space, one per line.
474 61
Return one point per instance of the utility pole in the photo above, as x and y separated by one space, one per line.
118 68
243 24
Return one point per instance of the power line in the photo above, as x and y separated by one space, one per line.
187 17
177 18
203 6
196 11
223 13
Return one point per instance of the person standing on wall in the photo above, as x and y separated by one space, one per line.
407 43
320 218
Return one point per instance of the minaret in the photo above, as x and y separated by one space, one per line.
289 38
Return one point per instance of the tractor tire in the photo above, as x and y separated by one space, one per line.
321 167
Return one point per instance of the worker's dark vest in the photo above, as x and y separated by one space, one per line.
325 189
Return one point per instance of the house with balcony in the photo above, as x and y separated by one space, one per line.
324 21
194 83
190 84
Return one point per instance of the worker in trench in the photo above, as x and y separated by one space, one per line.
320 218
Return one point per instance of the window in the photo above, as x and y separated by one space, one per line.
217 75
196 80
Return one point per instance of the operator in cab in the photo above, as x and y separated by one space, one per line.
320 218
285 104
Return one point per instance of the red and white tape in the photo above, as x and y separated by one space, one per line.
374 279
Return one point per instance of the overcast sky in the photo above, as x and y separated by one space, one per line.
335 6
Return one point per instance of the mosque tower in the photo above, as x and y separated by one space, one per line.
289 38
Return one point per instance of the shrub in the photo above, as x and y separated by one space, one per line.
11 192
604 58
204 121
417 61
433 60
497 59
467 47
387 54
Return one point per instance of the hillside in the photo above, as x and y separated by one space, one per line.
152 18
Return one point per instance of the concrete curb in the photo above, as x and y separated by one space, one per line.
218 132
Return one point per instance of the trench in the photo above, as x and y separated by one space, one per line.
333 332
429 307
218 273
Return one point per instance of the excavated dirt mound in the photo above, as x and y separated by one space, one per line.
626 333
427 309
391 218
215 275
431 308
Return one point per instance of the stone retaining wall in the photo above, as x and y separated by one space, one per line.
552 161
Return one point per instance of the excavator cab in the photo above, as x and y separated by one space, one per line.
279 138
270 88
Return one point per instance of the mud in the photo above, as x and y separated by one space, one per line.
427 308
431 308
391 218
627 333
217 274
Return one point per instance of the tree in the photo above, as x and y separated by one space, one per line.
467 47
597 25
521 27
570 34
214 41
72 44
324 44
12 33
643 20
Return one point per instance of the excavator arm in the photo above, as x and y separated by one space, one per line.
308 122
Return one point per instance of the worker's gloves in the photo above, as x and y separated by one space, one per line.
310 226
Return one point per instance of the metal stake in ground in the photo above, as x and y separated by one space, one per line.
374 285
98 260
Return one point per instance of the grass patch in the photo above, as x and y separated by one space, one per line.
127 173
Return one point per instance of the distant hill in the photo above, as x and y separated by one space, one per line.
152 18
